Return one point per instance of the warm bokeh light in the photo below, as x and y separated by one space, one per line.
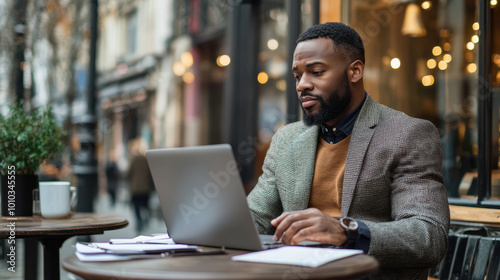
444 33
496 59
474 39
281 84
471 68
426 5
223 60
493 3
188 77
447 47
395 63
498 76
442 65
179 68
470 46
262 77
447 57
437 50
428 80
475 26
431 63
187 59
272 44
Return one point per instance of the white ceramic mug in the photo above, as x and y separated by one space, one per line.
57 199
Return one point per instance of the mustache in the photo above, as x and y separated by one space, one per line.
307 93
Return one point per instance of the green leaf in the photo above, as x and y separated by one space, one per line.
28 138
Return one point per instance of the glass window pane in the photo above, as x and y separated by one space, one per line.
495 83
495 174
131 33
421 58
272 69
495 44
306 13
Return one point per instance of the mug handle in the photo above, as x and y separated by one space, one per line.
36 201
73 200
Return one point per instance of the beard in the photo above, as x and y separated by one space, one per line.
332 107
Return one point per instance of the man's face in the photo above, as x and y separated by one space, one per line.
321 81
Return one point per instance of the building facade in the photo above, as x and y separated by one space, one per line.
207 72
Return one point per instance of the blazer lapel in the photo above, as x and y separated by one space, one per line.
360 139
304 161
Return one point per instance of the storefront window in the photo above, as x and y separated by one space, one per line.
495 84
421 58
272 68
306 13
495 44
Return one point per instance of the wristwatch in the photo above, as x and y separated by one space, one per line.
351 229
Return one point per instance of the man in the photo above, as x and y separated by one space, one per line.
352 158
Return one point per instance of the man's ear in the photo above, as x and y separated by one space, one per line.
356 70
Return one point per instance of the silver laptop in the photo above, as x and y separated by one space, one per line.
202 197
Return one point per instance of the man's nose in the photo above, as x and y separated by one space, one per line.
304 84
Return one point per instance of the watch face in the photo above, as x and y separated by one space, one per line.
349 224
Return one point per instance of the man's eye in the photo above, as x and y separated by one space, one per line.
297 78
317 72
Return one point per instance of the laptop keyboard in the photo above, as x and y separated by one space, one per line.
268 243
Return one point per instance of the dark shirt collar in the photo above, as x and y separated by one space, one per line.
342 128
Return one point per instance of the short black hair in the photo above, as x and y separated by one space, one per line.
344 37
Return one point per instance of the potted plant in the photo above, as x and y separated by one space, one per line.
26 140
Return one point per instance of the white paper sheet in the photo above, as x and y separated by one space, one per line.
103 251
143 247
144 239
296 255
111 257
105 247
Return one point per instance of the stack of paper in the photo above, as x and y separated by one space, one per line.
297 255
144 239
125 249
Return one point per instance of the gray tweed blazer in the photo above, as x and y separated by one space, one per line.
392 182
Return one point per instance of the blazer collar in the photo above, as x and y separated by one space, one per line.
361 136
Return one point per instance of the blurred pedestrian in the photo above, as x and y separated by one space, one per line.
112 176
140 183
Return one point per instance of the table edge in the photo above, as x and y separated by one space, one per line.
69 264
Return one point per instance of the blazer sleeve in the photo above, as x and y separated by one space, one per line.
417 232
264 200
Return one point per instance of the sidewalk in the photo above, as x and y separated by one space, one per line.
102 205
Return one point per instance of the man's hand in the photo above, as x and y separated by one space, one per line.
310 224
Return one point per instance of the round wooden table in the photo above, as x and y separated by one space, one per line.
53 232
219 267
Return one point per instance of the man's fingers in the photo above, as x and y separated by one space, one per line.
275 222
310 224
295 230
278 223
284 222
288 225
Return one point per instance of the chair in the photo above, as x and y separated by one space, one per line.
470 257
494 264
482 258
452 262
473 255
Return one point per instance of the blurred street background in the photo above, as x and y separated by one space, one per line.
124 76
